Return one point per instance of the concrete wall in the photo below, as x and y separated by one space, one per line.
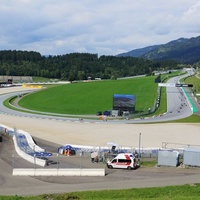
27 157
58 172
31 142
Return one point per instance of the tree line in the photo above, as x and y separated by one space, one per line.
77 66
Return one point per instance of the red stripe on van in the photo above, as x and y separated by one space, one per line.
127 157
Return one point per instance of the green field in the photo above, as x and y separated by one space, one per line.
183 192
89 97
86 98
195 80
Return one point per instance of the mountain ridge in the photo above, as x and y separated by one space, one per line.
183 50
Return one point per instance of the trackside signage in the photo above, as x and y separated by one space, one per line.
184 85
166 84
174 85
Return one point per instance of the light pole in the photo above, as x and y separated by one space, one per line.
58 160
81 158
13 162
34 161
139 149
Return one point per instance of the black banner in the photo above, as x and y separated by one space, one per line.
183 85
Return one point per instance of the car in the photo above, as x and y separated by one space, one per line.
107 113
99 113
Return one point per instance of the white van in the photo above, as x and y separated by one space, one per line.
123 161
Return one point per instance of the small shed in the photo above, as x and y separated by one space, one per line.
191 156
168 158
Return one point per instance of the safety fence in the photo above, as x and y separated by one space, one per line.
60 159
81 160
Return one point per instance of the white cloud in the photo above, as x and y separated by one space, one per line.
104 27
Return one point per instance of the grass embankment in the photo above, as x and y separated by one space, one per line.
88 98
183 192
195 80
192 119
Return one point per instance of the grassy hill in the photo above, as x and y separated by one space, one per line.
89 97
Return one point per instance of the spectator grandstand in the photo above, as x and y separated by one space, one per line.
17 79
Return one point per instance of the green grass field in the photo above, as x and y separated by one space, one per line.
89 97
196 84
183 192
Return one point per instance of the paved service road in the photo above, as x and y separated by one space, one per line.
114 179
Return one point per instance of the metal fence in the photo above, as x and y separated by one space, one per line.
80 160
58 161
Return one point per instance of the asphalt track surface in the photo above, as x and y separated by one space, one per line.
114 179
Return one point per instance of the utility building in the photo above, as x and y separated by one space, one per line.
168 158
191 156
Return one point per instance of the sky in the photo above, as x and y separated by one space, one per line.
103 27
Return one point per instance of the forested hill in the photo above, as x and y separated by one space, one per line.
76 66
181 50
